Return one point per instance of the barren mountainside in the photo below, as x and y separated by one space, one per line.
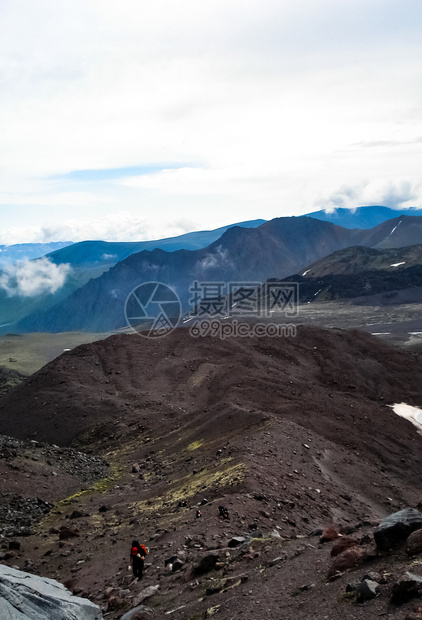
291 435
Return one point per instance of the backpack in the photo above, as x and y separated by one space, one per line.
141 550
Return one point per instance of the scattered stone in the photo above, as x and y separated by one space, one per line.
373 576
114 603
406 587
353 586
414 543
396 527
66 532
342 544
414 615
348 559
329 534
206 565
236 541
174 563
147 593
366 590
279 560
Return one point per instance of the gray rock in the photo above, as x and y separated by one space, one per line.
147 593
236 541
366 590
397 527
372 576
27 597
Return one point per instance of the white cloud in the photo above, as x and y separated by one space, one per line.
402 194
29 278
274 103
120 226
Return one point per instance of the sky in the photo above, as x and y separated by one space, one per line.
137 120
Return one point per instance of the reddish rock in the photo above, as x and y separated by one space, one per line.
414 543
342 544
348 559
329 534
414 615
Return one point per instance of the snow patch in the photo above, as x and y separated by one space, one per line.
398 264
413 414
305 272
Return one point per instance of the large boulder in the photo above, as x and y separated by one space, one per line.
27 597
397 527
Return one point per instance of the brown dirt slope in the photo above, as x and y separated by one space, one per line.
334 382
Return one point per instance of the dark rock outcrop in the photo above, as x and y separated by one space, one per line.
406 587
397 527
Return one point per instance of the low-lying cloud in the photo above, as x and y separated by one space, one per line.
30 278
118 226
396 195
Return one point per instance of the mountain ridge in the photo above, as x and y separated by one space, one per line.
274 249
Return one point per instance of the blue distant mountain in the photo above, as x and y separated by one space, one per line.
362 217
13 253
90 259
101 255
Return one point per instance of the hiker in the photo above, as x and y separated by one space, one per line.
137 557
223 512
198 514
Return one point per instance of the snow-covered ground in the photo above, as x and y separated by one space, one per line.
413 414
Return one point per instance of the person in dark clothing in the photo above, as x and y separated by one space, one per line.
137 557
223 512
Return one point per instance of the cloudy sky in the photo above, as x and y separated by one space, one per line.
137 120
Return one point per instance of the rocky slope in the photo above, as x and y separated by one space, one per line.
354 260
292 435
380 286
